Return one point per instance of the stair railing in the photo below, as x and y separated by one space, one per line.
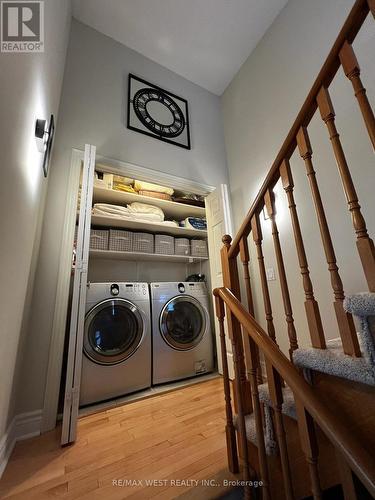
341 55
310 411
248 372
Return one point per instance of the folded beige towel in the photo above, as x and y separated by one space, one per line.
147 186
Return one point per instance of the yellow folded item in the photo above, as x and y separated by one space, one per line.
123 187
120 179
148 186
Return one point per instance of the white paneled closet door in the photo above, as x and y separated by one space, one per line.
219 222
77 318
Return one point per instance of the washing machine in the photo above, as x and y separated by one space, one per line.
181 331
117 341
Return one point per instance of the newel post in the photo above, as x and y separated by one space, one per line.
231 281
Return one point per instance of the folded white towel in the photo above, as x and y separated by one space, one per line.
124 213
145 208
112 209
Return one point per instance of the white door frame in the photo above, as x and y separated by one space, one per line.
56 349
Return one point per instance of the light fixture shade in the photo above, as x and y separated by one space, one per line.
44 134
40 132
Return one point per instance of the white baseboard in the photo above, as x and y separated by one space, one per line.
23 426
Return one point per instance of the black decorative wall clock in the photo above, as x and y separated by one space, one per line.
157 113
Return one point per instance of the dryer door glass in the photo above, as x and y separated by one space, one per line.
113 331
183 322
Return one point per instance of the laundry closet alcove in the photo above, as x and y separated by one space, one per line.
89 200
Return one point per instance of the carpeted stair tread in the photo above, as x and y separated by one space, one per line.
288 409
251 432
289 406
332 360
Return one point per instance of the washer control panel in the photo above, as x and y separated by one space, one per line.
134 289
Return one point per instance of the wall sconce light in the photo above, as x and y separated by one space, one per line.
44 137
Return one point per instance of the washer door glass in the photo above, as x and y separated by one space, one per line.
113 331
183 322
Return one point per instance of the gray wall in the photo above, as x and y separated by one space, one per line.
259 107
30 88
93 110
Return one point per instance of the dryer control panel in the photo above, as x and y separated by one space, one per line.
196 289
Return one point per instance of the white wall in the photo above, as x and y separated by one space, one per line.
93 110
30 88
259 107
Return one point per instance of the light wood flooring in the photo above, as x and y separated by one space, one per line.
170 437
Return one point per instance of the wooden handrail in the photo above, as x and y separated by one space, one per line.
347 34
359 460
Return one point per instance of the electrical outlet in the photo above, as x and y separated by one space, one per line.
270 273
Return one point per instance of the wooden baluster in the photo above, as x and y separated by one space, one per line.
229 428
276 396
371 6
245 258
352 71
231 281
311 306
262 455
344 320
258 238
365 245
241 418
346 476
309 446
269 201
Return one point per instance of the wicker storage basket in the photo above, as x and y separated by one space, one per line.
154 194
181 246
120 241
143 242
164 244
199 248
99 239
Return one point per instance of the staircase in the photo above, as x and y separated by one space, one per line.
303 425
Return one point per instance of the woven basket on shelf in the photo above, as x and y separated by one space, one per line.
154 194
181 246
143 242
99 239
164 244
199 248
120 241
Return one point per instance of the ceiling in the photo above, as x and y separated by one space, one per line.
205 41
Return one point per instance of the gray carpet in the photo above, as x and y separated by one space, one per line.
332 360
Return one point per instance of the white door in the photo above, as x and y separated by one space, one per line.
219 222
77 318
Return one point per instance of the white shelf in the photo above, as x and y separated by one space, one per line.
171 209
151 227
139 256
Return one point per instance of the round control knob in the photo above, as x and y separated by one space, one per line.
115 290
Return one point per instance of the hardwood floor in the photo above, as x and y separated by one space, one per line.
178 436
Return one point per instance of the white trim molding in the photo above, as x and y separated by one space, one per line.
149 175
23 426
51 393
